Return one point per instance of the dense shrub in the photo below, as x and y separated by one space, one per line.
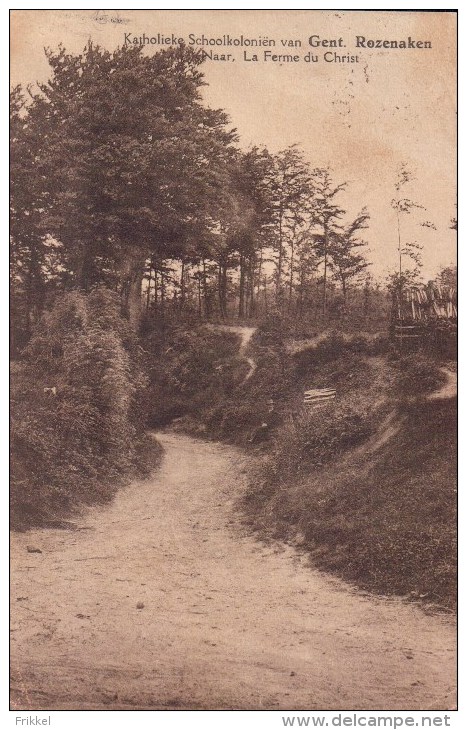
272 330
338 348
384 517
74 444
312 438
416 375
192 371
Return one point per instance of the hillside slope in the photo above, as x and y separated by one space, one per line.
367 484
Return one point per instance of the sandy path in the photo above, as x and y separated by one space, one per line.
227 622
245 333
449 389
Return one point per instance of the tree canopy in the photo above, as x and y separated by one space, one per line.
122 176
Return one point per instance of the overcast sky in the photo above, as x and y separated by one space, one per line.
363 118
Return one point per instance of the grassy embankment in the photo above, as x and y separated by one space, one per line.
78 412
366 484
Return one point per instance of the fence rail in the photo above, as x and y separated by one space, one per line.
318 396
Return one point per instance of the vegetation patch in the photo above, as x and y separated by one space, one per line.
190 372
371 495
78 410
416 375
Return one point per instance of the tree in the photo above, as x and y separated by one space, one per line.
409 252
324 218
133 162
289 185
346 260
447 276
306 268
250 220
28 243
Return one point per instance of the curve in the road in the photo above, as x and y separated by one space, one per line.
245 334
161 601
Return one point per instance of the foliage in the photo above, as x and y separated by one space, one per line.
370 493
145 168
338 350
325 218
75 443
409 251
312 438
447 276
289 183
155 198
32 255
416 375
347 261
192 371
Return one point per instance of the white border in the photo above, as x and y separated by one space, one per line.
205 720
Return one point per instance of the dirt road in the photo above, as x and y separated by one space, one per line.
223 621
245 334
448 389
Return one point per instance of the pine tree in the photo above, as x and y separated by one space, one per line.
325 219
347 261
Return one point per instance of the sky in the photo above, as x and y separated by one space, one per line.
362 118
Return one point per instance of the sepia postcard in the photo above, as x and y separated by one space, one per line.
233 288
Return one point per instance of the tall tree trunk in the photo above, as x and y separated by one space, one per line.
265 294
301 287
251 286
246 296
200 310
325 269
291 273
241 288
162 291
182 286
280 257
207 304
148 290
222 288
134 302
260 271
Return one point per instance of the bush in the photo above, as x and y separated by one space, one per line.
195 370
272 330
75 443
382 518
338 348
416 375
312 438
